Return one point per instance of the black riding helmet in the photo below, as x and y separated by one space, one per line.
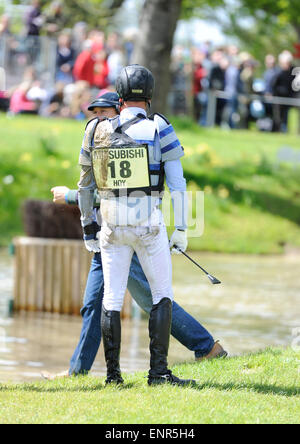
135 82
107 100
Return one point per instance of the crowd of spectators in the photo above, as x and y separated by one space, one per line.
87 63
247 89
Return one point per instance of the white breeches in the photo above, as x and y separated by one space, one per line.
152 248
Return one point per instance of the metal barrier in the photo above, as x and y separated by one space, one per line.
18 54
213 96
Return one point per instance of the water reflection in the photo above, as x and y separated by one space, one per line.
256 306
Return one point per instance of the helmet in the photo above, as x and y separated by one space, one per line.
107 100
135 82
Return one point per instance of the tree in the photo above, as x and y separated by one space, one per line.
155 41
262 26
154 45
97 13
284 12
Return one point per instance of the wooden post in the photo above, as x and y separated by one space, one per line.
50 275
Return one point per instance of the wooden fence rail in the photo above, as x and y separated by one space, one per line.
50 275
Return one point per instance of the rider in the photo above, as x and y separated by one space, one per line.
185 328
126 159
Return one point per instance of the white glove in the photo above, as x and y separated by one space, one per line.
92 245
178 238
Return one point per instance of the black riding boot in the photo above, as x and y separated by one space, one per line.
159 332
111 336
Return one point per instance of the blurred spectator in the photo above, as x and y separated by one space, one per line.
84 64
57 99
37 93
231 88
270 73
4 101
65 59
80 100
19 102
206 48
5 26
269 76
79 36
34 19
101 69
246 81
282 87
247 70
98 40
55 20
56 106
199 95
115 59
129 37
216 80
232 52
179 81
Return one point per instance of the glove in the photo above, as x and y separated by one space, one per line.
91 237
178 238
92 245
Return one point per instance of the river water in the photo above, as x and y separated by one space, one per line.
256 306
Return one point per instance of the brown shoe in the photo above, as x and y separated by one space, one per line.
216 352
52 377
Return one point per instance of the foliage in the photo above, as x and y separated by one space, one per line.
96 13
285 11
255 388
277 24
191 8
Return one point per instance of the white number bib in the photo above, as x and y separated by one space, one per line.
124 167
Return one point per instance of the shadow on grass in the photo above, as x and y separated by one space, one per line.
63 388
230 386
258 388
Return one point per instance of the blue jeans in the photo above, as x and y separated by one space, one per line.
185 328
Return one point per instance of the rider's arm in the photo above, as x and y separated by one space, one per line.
86 184
63 195
177 186
171 152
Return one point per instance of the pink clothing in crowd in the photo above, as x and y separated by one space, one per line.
19 102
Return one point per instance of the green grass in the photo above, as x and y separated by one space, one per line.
252 202
256 388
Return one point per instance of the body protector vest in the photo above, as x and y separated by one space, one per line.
121 166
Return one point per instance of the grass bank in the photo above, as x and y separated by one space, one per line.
252 198
256 388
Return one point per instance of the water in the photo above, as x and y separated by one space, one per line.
256 306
